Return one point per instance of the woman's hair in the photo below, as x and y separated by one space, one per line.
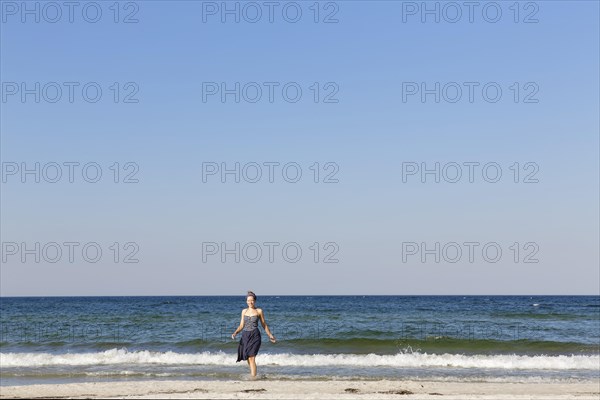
251 293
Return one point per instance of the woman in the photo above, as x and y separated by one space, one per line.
251 340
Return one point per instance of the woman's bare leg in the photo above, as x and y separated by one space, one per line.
252 363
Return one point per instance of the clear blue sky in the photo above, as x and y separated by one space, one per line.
371 57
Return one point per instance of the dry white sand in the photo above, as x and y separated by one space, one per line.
265 389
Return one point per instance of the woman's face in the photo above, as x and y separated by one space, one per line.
250 301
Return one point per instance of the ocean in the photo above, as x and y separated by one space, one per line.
475 338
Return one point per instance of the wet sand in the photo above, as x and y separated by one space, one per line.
336 389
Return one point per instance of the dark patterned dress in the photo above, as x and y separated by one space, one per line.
251 338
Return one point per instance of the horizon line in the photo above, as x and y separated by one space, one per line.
310 295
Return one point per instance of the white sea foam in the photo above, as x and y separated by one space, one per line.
409 360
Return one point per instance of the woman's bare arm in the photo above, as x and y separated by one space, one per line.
241 326
265 326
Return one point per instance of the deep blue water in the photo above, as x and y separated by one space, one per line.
319 337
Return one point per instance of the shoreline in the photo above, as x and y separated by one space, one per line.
335 389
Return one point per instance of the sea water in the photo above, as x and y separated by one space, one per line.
476 338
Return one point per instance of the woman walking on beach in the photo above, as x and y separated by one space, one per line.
251 339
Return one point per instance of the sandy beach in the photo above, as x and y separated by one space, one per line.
264 389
